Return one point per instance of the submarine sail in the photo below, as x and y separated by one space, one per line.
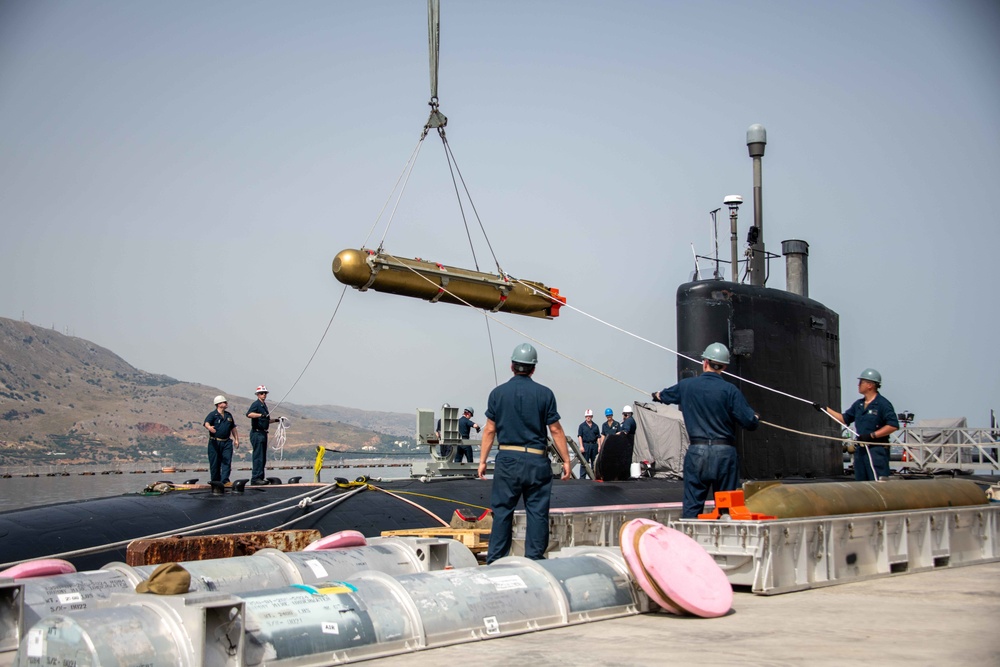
777 338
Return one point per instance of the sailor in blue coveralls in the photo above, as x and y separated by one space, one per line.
609 427
260 419
465 426
221 441
517 415
589 435
875 420
712 407
628 421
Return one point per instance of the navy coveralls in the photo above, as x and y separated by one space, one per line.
522 410
589 435
628 425
711 408
464 432
258 439
220 445
870 419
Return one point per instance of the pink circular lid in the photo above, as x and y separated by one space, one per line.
684 572
628 537
39 568
345 538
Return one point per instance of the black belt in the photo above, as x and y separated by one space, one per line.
710 441
592 442
212 437
257 430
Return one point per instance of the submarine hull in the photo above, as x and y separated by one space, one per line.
43 531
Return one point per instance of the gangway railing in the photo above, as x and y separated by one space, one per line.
956 448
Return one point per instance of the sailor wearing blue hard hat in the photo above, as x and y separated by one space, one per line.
609 427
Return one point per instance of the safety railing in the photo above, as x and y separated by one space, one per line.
936 448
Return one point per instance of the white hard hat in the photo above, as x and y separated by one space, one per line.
588 413
220 399
627 408
261 390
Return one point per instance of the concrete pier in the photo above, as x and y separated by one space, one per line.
944 617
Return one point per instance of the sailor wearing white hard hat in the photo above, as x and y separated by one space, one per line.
260 419
628 421
588 434
222 440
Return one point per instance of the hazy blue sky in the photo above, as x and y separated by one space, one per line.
176 178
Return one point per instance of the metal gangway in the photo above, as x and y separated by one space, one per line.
934 448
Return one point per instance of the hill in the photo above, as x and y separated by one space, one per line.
66 400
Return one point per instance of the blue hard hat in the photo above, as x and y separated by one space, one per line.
608 412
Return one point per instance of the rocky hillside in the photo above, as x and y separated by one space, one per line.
66 400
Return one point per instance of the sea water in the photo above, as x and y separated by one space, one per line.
52 486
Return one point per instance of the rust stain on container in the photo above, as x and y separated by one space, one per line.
179 549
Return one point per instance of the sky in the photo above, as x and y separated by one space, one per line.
177 177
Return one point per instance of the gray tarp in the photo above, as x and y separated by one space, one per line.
942 432
946 434
660 437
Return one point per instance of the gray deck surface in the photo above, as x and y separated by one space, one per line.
945 617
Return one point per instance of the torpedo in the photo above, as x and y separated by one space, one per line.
788 501
365 269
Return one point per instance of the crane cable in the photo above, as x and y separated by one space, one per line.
438 120
434 42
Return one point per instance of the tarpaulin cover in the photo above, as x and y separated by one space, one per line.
661 438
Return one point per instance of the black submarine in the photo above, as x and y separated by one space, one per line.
776 338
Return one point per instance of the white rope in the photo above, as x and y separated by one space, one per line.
402 189
279 437
329 504
214 523
617 328
646 340
406 168
514 329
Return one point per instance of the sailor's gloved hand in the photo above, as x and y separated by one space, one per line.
656 396
865 437
479 429
817 407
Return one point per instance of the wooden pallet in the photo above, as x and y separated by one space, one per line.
476 539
